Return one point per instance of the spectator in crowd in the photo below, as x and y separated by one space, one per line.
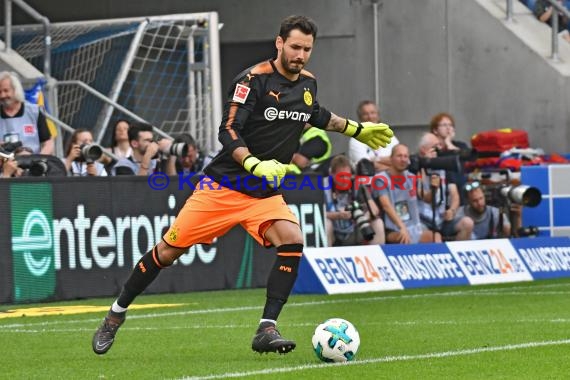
439 197
143 159
192 162
368 111
398 199
120 145
340 195
9 166
24 162
75 162
487 219
443 126
21 121
544 11
314 151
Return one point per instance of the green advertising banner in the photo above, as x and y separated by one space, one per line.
32 243
77 237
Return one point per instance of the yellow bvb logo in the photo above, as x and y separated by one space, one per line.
173 234
307 97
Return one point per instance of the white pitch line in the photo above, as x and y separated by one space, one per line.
245 326
385 359
475 292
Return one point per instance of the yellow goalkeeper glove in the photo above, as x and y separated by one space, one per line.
375 135
292 168
272 170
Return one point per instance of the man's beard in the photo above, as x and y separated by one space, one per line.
7 102
477 212
289 68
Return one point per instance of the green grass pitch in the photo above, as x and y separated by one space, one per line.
509 331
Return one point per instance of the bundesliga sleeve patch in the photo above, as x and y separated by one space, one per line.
240 93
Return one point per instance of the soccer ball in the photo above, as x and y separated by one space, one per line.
336 340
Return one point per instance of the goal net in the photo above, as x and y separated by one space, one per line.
163 69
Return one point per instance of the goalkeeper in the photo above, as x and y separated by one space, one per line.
265 112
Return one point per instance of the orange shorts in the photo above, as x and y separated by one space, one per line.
211 212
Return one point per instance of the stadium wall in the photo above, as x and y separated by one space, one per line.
72 238
434 55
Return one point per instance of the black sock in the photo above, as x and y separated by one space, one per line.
281 279
272 308
142 276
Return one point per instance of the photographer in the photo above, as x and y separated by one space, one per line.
149 155
145 150
438 197
22 121
489 223
400 203
81 155
8 165
349 220
191 162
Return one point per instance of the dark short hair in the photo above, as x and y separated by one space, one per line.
187 139
303 23
137 127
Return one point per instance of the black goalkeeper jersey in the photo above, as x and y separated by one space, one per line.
265 112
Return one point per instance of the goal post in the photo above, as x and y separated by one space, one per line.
164 69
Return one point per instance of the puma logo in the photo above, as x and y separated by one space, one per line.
275 95
142 268
249 77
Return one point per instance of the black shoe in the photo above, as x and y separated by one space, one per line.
268 339
105 335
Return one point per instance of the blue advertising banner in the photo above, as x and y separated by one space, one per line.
337 270
545 257
490 261
424 265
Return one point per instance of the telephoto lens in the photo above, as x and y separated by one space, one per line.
178 149
361 220
523 195
91 152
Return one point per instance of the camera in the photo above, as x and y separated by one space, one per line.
39 165
175 149
523 195
178 149
36 167
462 154
361 220
501 195
448 162
8 148
527 231
90 152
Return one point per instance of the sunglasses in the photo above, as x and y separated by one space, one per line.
472 186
